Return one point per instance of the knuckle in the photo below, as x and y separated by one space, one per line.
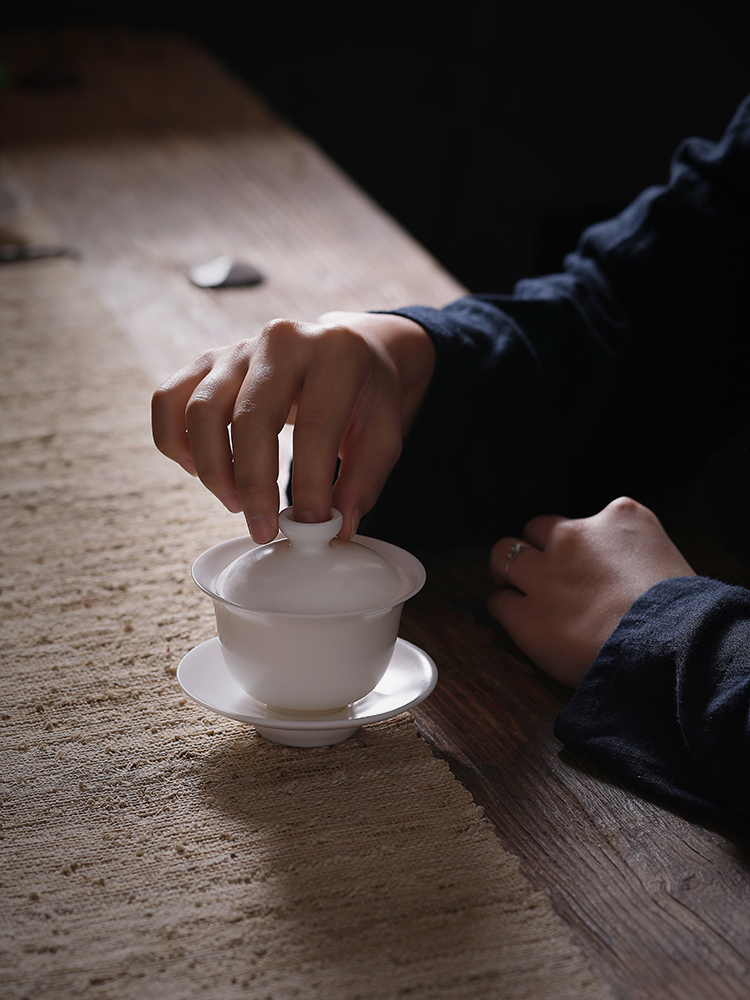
347 343
245 411
213 479
165 401
161 396
218 479
238 354
625 504
340 346
161 404
317 424
251 421
279 331
200 407
279 325
207 359
248 488
627 507
255 489
331 343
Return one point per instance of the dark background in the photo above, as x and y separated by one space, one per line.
494 132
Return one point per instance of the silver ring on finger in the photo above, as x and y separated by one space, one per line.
515 550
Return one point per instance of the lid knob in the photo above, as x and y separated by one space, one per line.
310 537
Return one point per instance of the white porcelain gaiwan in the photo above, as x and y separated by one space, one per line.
308 623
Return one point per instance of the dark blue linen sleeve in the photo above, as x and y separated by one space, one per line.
614 377
666 704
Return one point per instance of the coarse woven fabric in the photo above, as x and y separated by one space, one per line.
150 849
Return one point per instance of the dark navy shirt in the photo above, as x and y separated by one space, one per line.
615 377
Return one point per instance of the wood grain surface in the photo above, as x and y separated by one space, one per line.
156 160
659 903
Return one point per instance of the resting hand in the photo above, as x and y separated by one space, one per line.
563 595
351 384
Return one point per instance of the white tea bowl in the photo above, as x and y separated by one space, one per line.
308 623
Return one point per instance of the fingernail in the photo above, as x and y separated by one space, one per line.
260 529
188 466
232 503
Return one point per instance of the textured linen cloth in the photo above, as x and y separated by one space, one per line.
153 849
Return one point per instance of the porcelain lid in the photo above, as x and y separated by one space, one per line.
312 572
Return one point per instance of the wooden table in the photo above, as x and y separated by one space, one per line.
148 158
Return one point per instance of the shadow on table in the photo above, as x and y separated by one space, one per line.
367 855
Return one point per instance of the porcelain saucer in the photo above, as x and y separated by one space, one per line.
411 676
